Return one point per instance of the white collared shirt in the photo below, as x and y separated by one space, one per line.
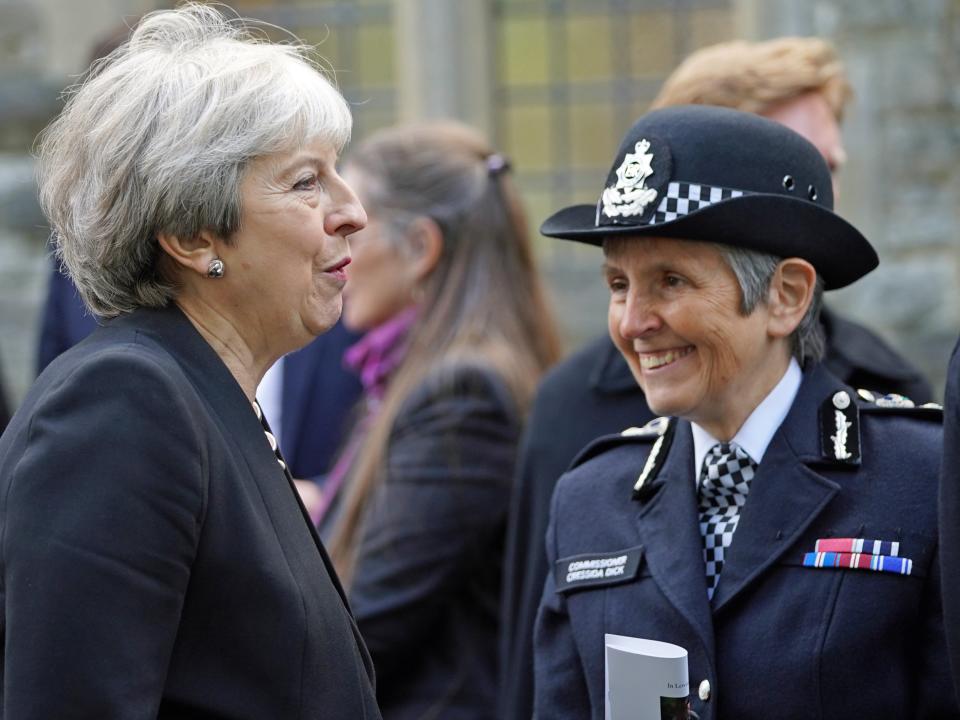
755 434
270 397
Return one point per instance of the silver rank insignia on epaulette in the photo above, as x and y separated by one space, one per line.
840 429
663 428
894 401
654 428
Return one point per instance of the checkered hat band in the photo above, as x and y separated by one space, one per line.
684 198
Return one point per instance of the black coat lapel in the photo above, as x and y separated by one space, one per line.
786 495
240 426
670 533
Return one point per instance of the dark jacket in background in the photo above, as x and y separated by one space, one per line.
318 398
65 320
591 394
950 514
157 561
780 639
427 583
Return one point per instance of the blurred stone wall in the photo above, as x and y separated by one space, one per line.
901 185
44 46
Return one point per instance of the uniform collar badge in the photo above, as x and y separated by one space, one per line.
840 429
665 428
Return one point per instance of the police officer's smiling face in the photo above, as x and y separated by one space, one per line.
675 316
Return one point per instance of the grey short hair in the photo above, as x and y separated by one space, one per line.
157 137
754 271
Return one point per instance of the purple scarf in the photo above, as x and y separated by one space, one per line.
374 358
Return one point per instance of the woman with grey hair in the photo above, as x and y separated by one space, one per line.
156 559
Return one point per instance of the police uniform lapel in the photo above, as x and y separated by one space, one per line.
786 494
670 534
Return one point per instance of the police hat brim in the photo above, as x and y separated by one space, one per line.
774 224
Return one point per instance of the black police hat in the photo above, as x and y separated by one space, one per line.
717 175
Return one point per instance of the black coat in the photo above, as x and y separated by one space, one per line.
950 513
590 394
780 639
426 588
157 561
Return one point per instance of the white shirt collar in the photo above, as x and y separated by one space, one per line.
270 397
755 434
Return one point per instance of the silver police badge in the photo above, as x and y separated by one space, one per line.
630 196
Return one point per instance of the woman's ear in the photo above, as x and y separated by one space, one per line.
194 254
790 295
425 245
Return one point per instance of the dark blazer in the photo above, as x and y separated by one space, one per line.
950 513
157 562
780 639
427 583
592 394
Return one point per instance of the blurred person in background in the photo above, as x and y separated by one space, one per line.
158 562
458 334
801 83
307 395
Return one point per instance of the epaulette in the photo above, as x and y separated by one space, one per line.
840 429
894 404
840 420
646 434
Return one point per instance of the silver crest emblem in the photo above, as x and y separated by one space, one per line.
648 465
630 196
840 451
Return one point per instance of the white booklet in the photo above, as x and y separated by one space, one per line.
645 679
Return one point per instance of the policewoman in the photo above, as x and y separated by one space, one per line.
778 524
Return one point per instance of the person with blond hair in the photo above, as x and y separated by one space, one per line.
157 560
801 83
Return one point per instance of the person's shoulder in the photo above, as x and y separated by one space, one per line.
629 441
896 428
112 368
623 460
461 386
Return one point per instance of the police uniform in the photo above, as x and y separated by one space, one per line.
779 639
827 603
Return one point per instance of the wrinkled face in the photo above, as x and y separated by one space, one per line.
286 264
381 278
675 316
810 115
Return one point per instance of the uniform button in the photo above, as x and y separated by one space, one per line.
704 690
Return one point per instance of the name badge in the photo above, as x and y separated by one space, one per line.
593 570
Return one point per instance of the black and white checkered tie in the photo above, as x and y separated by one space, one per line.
724 484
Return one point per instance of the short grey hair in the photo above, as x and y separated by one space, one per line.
754 271
157 137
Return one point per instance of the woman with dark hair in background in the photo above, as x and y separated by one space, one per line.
459 334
